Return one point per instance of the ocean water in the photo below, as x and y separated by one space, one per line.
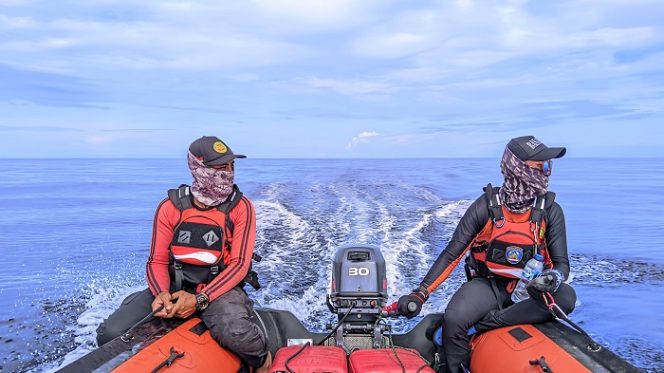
75 237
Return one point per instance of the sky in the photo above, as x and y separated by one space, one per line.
330 79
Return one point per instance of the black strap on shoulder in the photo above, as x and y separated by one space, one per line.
537 211
494 205
181 197
228 205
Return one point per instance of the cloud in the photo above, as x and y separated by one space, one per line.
97 139
321 13
202 35
454 67
142 45
355 87
40 129
449 40
9 23
391 45
20 85
364 136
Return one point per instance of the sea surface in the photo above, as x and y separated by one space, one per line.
76 234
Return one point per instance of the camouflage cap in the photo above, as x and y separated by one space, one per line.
212 151
528 148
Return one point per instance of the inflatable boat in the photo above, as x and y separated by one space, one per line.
360 342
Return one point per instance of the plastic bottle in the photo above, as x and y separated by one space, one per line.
530 271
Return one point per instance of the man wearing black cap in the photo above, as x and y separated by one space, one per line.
502 230
202 246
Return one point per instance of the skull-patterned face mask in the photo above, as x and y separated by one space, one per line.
522 183
211 186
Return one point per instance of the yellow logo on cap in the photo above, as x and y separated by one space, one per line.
219 147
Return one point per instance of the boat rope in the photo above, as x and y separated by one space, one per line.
394 348
299 351
126 337
293 357
559 314
169 361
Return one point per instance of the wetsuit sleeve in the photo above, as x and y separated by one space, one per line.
556 239
469 226
165 219
242 250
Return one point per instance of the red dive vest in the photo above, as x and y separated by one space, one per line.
508 240
199 239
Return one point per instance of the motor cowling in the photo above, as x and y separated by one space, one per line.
359 285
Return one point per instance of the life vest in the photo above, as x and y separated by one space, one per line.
508 240
199 239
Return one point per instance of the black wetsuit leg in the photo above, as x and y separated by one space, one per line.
528 311
133 308
476 304
468 305
232 323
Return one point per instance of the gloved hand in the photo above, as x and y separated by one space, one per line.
410 305
548 281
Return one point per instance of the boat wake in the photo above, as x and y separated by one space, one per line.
297 236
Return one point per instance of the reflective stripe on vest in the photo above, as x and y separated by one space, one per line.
198 238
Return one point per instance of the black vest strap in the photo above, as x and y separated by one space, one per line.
180 197
178 281
496 292
537 211
494 205
228 205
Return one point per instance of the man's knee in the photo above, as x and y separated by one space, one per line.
566 298
456 321
131 310
239 335
229 319
107 332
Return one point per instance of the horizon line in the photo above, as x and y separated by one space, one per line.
307 158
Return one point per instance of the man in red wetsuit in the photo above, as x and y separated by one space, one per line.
202 246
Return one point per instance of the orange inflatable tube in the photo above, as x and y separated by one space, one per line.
520 348
188 348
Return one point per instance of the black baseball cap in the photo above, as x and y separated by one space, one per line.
212 151
528 148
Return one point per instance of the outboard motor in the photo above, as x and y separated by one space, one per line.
359 292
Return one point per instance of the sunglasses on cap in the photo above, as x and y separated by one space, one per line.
544 166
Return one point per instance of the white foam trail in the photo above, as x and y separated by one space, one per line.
105 300
294 234
453 210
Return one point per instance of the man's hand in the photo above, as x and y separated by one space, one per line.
162 299
549 281
410 305
185 305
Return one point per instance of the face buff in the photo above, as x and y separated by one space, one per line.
522 183
210 186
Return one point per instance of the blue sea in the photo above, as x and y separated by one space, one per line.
76 234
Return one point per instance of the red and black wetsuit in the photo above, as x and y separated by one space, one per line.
230 315
236 257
